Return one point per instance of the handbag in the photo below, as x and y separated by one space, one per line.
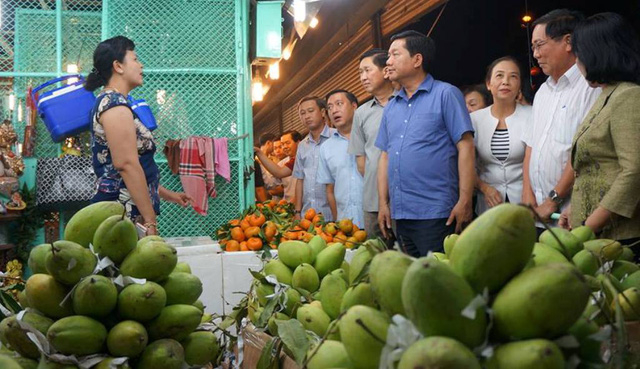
65 181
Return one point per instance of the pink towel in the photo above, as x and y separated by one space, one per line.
197 171
223 168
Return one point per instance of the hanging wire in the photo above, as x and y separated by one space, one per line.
529 51
437 19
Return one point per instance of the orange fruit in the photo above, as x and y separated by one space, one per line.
309 214
340 237
345 225
223 242
354 229
305 224
232 246
351 242
271 204
319 218
244 224
330 228
305 236
243 246
273 245
251 232
270 231
237 234
326 237
259 205
360 235
254 243
291 235
282 202
257 219
234 222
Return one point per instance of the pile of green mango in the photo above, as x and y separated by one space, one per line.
81 311
531 292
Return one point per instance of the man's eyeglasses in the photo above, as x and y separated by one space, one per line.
537 45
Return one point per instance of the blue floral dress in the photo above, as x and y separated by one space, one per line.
110 185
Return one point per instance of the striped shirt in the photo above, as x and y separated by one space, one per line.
558 109
500 144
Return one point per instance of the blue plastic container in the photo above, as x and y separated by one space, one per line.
144 113
66 110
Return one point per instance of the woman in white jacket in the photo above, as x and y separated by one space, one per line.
500 151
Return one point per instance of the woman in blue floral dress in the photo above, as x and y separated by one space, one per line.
122 147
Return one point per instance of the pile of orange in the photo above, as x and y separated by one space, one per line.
344 231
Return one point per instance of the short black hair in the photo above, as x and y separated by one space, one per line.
104 55
609 48
349 95
295 135
322 104
418 43
266 137
559 22
493 64
380 57
481 89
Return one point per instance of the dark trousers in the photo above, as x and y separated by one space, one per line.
418 237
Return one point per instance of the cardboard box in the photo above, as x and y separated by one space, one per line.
254 342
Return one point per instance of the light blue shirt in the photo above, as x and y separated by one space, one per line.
420 135
339 167
314 194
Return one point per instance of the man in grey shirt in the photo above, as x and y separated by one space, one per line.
366 123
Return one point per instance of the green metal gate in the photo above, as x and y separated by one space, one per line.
197 78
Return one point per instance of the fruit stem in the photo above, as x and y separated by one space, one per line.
361 323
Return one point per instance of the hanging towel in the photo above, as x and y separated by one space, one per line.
172 153
222 166
197 171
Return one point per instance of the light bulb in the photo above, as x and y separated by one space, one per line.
274 70
256 91
299 10
314 22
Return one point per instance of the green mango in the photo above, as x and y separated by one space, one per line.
345 267
200 348
633 280
360 259
494 247
586 262
583 234
23 300
68 262
17 338
146 239
106 364
341 273
569 244
449 243
77 335
545 254
262 291
278 269
364 332
83 224
434 297
306 277
273 327
127 338
141 302
7 362
293 301
530 354
622 268
95 296
604 248
330 354
153 261
629 301
182 267
199 304
329 259
45 294
334 331
589 349
317 244
165 354
313 319
175 322
38 257
46 364
294 253
439 256
25 363
386 274
542 302
115 238
360 294
182 288
438 352
627 254
332 289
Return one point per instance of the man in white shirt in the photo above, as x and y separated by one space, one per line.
559 107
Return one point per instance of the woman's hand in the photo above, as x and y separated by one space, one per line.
492 196
179 198
564 218
152 230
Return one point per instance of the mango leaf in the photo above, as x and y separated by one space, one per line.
8 302
269 308
294 337
259 276
363 276
270 355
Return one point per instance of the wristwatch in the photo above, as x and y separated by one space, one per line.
553 195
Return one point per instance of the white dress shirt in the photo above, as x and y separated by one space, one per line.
558 109
504 176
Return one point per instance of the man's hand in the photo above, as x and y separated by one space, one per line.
564 218
491 196
545 210
528 198
462 214
384 219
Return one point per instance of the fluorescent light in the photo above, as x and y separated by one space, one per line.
299 10
257 90
19 112
274 70
12 102
314 22
286 54
273 41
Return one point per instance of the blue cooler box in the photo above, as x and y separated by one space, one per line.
144 113
65 110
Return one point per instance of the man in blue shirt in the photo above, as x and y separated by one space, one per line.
338 169
309 193
427 167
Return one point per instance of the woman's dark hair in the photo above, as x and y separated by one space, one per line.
105 54
482 90
609 49
418 43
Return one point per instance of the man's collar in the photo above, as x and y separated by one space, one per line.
375 101
570 77
426 85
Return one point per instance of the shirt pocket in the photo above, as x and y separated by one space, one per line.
425 127
565 126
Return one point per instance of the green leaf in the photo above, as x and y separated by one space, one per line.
9 303
259 276
269 309
294 337
270 355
